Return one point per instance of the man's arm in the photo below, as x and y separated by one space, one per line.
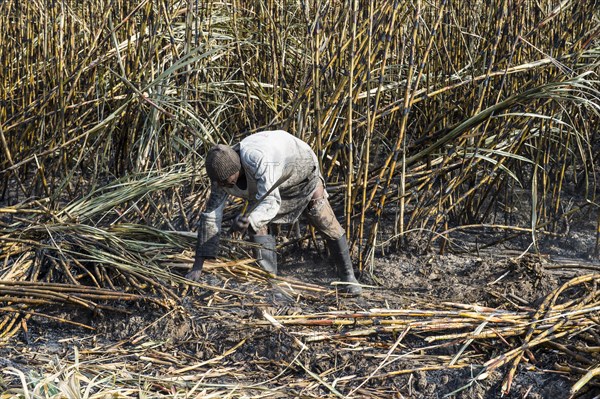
209 229
266 173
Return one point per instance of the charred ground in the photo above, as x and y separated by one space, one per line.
239 334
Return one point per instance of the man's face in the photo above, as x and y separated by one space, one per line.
230 181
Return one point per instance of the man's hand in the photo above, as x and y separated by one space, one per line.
196 271
240 224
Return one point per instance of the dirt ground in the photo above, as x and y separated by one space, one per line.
407 281
228 336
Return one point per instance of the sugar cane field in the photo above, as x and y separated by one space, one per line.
459 144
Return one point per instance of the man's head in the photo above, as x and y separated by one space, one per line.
223 165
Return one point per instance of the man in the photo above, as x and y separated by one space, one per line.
249 170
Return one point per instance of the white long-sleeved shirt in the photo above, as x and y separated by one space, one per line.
265 157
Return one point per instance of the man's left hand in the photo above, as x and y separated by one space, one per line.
240 224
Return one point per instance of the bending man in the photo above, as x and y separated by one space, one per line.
249 170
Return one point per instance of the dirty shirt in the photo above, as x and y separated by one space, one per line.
265 157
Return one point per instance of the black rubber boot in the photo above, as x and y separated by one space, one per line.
341 258
266 255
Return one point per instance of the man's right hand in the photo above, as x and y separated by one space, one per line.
240 224
196 271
